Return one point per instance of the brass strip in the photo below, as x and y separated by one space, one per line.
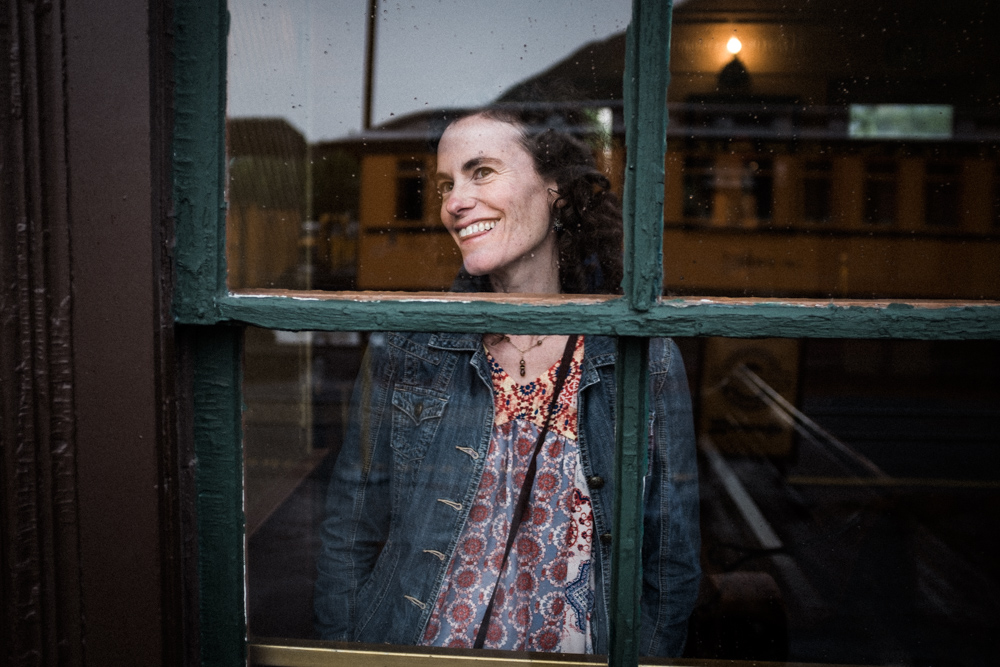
313 656
307 653
303 653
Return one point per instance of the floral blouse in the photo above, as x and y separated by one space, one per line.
546 595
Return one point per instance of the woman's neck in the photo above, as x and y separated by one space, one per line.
532 275
530 286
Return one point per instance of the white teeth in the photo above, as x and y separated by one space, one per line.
475 228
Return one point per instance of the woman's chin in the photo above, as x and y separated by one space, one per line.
474 268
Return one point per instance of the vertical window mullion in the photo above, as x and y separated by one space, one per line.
631 434
645 89
217 383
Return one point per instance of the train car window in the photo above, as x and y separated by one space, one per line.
881 192
816 193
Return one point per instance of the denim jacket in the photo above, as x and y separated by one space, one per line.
421 422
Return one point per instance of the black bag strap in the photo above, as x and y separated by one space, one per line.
529 482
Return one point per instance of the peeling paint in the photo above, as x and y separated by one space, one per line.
199 158
701 317
645 84
219 488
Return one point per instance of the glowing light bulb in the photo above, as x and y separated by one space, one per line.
734 45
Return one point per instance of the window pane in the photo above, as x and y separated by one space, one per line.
850 493
379 508
321 197
833 149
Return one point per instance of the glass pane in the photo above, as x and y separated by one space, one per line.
833 149
381 488
850 491
328 192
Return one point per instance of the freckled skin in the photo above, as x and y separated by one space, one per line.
485 175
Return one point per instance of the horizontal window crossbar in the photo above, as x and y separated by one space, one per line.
739 318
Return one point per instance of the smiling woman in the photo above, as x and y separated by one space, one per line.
559 223
455 438
497 207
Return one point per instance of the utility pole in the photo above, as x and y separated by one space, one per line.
366 121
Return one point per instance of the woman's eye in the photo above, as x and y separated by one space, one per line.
482 172
444 188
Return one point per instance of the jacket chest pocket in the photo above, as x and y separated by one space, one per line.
415 418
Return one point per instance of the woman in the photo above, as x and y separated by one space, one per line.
472 460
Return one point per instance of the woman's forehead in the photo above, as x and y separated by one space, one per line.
478 136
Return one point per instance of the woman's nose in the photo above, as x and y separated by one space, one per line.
458 201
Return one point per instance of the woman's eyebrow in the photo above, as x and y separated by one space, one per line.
477 162
470 165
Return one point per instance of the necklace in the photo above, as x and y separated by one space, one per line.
525 350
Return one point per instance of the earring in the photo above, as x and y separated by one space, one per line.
557 224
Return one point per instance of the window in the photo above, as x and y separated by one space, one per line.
733 188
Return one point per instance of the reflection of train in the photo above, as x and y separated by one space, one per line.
823 159
829 216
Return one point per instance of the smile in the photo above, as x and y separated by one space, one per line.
476 227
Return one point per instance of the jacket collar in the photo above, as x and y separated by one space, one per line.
456 341
600 350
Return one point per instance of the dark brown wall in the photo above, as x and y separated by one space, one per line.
89 512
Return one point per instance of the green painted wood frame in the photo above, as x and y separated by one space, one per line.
201 299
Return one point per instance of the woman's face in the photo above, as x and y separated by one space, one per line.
496 205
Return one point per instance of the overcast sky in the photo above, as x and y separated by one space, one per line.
304 59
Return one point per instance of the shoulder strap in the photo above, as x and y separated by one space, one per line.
529 481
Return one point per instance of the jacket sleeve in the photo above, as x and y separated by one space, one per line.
358 502
671 539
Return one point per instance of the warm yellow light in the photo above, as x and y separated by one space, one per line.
734 45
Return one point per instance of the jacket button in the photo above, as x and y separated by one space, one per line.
595 482
606 538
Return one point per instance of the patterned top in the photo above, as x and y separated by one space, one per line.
546 595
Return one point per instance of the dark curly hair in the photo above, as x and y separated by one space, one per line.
587 215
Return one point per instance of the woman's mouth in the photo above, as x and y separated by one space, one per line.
476 228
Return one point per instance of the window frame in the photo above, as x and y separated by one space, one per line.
212 318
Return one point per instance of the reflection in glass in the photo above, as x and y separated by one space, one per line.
878 120
448 438
885 107
296 392
849 489
324 198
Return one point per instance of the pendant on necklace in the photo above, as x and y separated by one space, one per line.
522 367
